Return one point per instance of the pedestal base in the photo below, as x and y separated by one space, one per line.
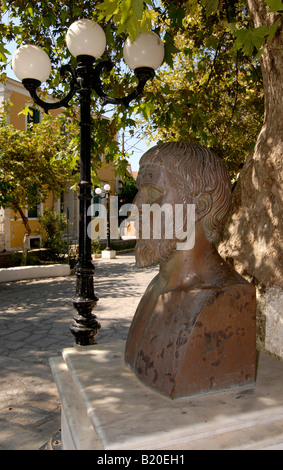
104 406
110 254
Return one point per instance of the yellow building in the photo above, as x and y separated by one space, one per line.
11 226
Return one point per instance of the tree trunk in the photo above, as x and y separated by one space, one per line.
26 235
253 235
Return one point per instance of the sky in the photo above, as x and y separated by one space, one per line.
137 146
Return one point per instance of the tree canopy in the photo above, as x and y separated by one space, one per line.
39 158
209 89
33 163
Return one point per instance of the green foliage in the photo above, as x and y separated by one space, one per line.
95 246
209 90
33 163
251 39
16 259
53 227
131 16
7 190
104 142
275 6
128 191
213 95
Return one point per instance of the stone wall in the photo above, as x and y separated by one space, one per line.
270 321
2 230
34 272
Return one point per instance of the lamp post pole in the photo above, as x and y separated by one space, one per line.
108 248
86 41
85 325
107 190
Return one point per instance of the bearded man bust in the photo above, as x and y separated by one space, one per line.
194 329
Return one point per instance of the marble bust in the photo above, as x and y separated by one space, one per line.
194 329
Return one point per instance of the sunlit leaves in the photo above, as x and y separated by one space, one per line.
130 16
212 96
209 90
35 162
251 40
211 6
3 53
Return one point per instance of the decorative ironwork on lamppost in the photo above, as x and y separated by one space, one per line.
98 192
86 41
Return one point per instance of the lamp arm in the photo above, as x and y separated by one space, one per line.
32 84
142 73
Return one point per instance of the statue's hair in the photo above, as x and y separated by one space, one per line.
195 170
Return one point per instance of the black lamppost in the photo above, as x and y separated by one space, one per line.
106 195
86 41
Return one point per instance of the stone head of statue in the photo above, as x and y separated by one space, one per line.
174 174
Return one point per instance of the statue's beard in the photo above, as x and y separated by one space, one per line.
153 252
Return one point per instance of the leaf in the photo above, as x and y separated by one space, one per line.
30 11
110 10
232 27
259 35
125 10
106 4
137 6
274 5
3 53
170 49
212 43
132 26
273 30
147 109
250 39
211 6
176 15
26 110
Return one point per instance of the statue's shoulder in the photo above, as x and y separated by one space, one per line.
232 296
222 275
195 300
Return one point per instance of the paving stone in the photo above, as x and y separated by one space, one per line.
35 317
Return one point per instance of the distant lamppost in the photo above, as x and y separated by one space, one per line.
86 41
106 195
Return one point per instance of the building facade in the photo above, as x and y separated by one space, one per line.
11 226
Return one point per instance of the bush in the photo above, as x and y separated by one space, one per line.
16 260
53 226
95 246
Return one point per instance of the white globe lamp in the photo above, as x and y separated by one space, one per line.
146 51
85 37
31 62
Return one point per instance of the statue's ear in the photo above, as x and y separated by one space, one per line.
203 204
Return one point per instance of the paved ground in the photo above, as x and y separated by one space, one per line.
35 316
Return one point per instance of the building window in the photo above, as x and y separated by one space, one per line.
62 202
34 242
33 117
33 212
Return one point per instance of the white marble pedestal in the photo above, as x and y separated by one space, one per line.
108 254
104 406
